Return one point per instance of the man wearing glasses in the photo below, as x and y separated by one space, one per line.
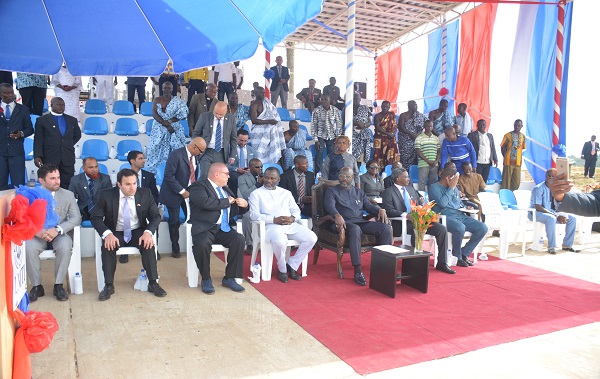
181 171
247 183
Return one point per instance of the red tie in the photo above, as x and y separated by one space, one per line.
312 97
593 148
192 171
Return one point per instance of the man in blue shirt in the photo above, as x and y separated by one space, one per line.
543 202
457 149
445 194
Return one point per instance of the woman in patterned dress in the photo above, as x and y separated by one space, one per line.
167 133
295 140
384 145
362 146
241 112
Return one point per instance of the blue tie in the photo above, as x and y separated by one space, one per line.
406 199
7 114
126 221
242 158
225 215
219 138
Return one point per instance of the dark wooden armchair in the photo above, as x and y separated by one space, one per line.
326 238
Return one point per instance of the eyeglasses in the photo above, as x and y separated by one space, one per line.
373 167
200 150
257 166
225 173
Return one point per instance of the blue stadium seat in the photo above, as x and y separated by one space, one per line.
86 224
28 145
181 215
160 173
388 170
495 176
124 165
123 108
507 199
149 126
101 167
34 118
126 126
303 115
246 128
308 136
146 109
95 126
284 114
96 148
413 172
45 107
186 127
267 165
95 106
125 146
362 169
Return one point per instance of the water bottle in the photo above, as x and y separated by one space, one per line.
77 152
141 284
425 198
142 128
113 177
31 181
112 153
255 278
78 284
112 127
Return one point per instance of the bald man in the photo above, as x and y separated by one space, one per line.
218 130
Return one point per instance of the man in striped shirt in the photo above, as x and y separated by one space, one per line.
427 147
457 149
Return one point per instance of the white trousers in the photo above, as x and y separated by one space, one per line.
279 235
105 90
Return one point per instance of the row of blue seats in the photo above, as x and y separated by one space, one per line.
120 107
98 149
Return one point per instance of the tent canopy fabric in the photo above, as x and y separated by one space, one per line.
138 37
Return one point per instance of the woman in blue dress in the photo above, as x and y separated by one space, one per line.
295 142
241 112
167 133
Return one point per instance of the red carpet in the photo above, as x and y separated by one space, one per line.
496 301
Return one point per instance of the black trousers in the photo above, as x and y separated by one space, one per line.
589 166
174 224
109 257
483 170
232 240
196 86
33 98
141 92
15 166
354 233
437 230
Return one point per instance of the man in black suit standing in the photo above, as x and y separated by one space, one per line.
590 154
395 203
279 84
218 130
56 134
181 171
15 126
299 181
145 179
88 185
127 216
310 96
213 208
485 149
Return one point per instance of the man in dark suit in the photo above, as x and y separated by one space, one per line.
245 153
395 204
145 179
300 179
485 150
88 185
247 183
218 130
181 171
127 216
213 209
310 96
202 103
15 126
54 141
279 84
581 204
590 154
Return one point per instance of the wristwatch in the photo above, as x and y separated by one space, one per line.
58 229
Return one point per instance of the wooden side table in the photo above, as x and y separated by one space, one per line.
384 269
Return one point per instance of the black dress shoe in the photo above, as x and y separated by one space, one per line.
108 290
157 256
570 248
60 293
467 261
176 254
248 250
35 292
444 268
359 279
283 277
293 274
123 258
156 290
462 263
496 233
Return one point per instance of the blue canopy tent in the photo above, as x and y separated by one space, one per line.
138 37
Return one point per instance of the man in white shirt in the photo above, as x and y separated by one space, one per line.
239 75
59 237
225 79
485 149
464 120
278 209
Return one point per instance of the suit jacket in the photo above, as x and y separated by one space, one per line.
250 152
305 94
204 128
206 206
106 212
177 177
19 121
50 145
285 74
393 202
246 184
587 150
79 187
68 212
149 181
197 107
474 138
581 204
288 181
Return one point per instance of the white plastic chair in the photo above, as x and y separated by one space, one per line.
537 228
507 221
266 250
75 263
405 240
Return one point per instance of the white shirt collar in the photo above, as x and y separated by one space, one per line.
122 195
56 114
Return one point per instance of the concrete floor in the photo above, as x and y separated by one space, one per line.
188 334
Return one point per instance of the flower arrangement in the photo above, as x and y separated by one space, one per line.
423 216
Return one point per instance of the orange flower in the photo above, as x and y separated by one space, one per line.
423 216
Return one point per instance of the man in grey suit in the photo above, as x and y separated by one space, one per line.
87 186
218 130
181 171
581 204
245 153
247 183
59 237
201 103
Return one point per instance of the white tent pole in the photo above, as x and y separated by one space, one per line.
350 72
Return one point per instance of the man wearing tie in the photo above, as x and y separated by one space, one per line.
299 182
279 84
590 154
127 216
181 171
213 209
56 134
15 126
218 130
244 153
396 200
88 185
